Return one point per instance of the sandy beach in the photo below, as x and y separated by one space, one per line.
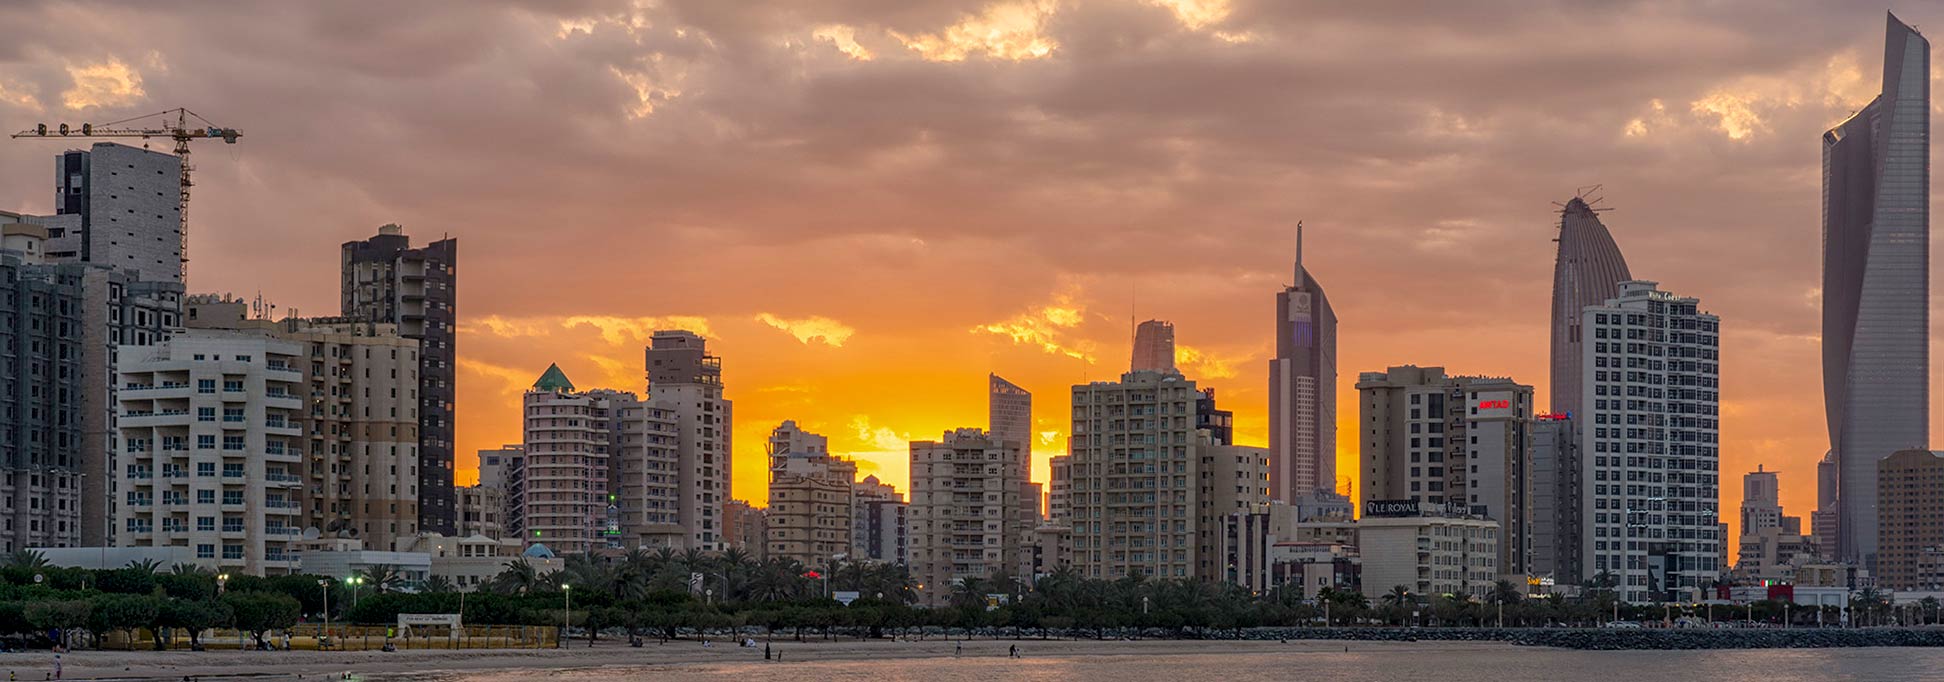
430 664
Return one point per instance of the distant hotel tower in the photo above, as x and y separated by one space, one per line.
1302 388
1588 271
1876 284
1154 347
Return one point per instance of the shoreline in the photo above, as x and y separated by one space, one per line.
520 663
516 664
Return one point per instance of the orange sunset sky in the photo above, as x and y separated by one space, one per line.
867 205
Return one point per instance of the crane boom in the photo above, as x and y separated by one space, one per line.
177 130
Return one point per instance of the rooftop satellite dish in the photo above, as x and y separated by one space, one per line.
311 533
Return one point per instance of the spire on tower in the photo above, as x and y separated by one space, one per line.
1299 254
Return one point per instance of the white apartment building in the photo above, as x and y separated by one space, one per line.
1650 444
568 447
1430 555
968 516
212 449
685 378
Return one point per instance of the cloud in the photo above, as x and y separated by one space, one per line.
877 439
1047 326
814 328
1202 365
1196 14
509 381
844 38
15 94
621 330
108 83
1012 30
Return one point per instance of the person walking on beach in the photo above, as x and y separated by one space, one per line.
958 648
1013 652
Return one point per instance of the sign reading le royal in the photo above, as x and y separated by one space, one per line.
1390 508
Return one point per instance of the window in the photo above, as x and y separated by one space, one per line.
205 551
232 551
205 468
205 497
205 385
205 414
205 523
205 441
232 497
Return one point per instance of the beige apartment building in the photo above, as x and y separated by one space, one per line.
1232 479
968 515
1460 444
569 445
1910 521
810 493
1135 494
360 422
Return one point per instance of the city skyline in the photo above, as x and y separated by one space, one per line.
866 277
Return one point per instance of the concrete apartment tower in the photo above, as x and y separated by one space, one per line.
1649 439
1302 387
1154 347
1457 443
880 523
385 280
1556 491
687 379
969 517
1912 522
644 475
810 514
41 445
115 308
1009 416
1876 285
1134 462
212 449
361 383
569 439
1770 540
118 207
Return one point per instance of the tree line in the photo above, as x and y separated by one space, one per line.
670 594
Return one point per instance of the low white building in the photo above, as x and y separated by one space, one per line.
345 558
1429 555
470 562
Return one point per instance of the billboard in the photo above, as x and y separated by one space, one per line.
1391 508
1494 404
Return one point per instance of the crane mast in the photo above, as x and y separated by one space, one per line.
177 130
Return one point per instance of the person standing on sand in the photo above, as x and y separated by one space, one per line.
1013 652
958 648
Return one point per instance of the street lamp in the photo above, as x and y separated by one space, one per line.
323 638
354 582
567 611
222 579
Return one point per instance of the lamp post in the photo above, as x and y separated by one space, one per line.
567 612
354 582
324 637
222 580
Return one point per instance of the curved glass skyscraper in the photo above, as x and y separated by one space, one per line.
1302 388
1588 271
1876 284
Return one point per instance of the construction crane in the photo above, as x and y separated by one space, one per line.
178 130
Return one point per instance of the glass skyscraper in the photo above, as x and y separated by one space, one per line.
1876 284
1302 389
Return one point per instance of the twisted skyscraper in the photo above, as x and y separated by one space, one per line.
1302 388
1876 284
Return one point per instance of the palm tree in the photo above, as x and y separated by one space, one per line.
438 584
145 565
1398 595
186 568
1929 605
518 577
27 558
1504 592
590 573
382 577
